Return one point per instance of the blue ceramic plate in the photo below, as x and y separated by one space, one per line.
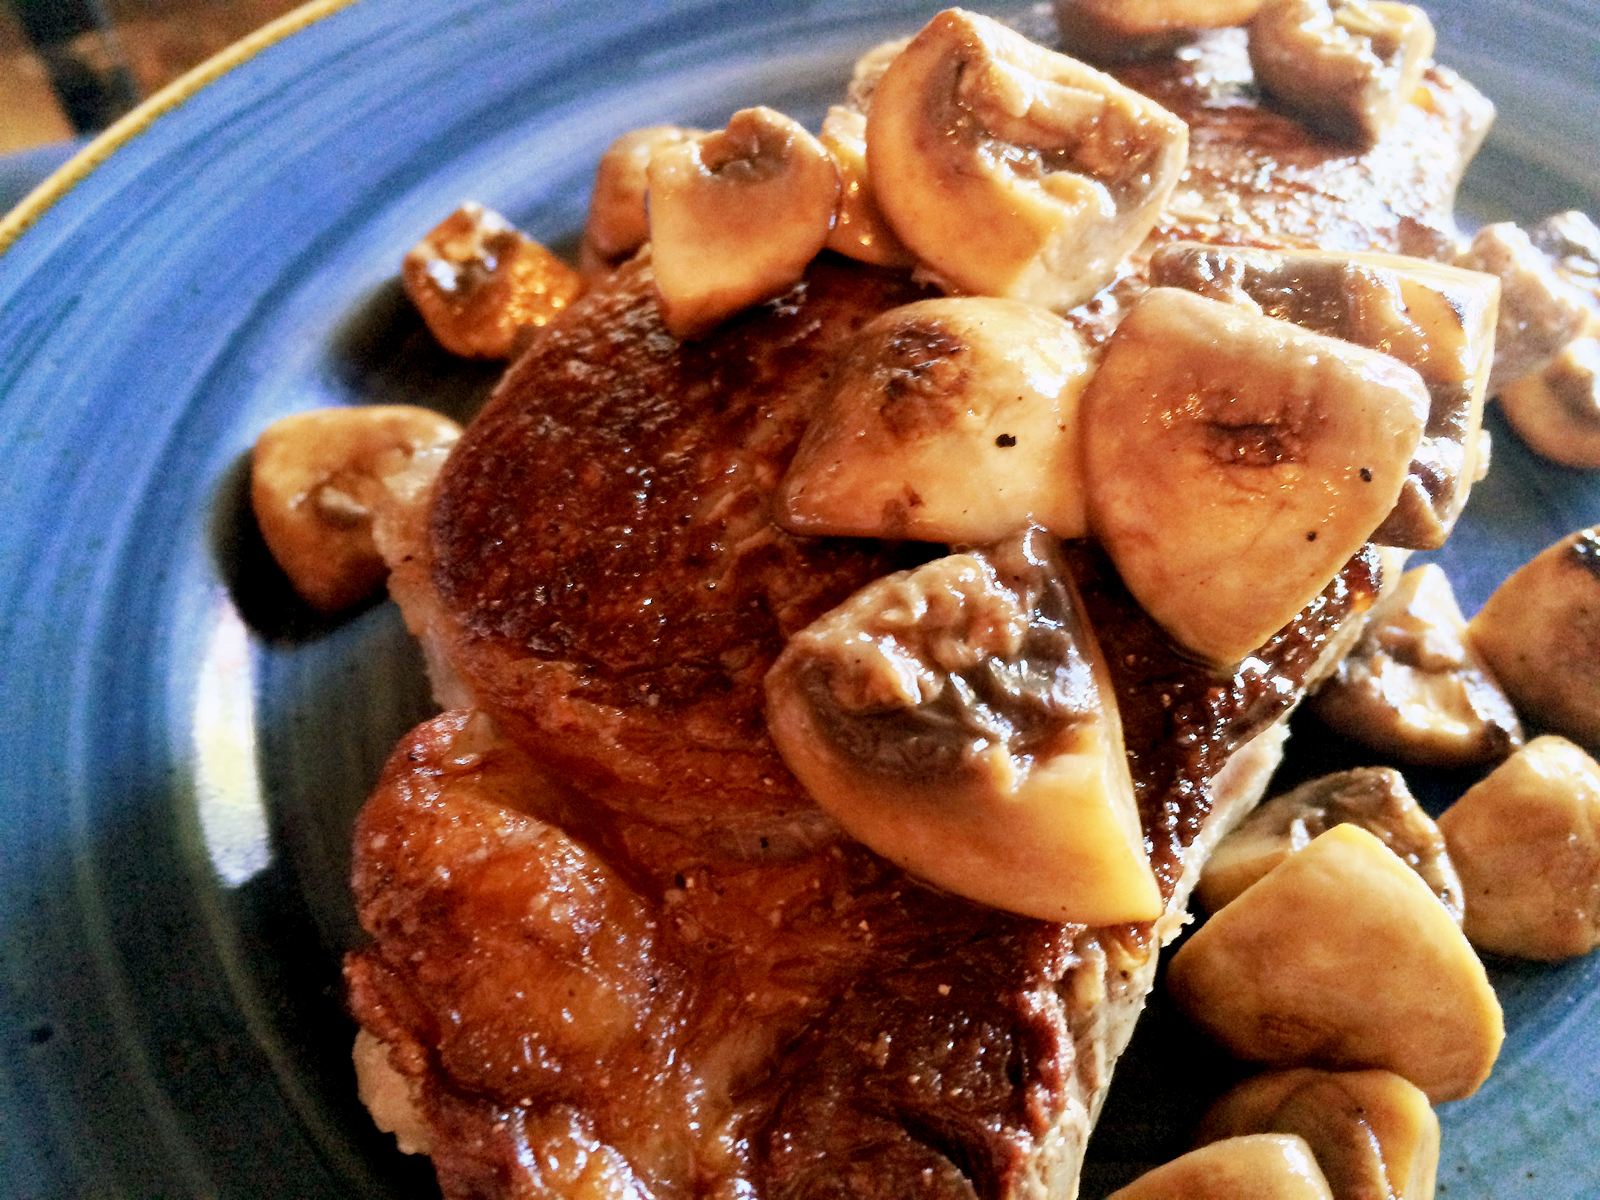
188 745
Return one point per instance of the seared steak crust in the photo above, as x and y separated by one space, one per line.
669 974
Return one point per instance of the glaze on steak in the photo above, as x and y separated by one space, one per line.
616 949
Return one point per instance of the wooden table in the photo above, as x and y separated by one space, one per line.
72 66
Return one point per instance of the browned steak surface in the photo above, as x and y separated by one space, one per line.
669 969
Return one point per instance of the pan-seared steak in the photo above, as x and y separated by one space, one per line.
617 951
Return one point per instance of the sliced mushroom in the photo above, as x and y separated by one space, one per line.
1539 311
1236 462
859 231
1124 30
1011 170
1540 635
1527 841
1438 320
316 481
958 719
1413 687
619 222
1257 1167
482 286
1344 67
1557 410
735 216
1374 1134
1341 957
952 420
1375 798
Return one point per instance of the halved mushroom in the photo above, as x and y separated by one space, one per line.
1527 841
1124 30
1539 311
1341 957
317 480
1375 798
1540 635
1557 410
1413 687
952 420
735 216
482 286
1373 1133
619 222
1438 320
1236 462
1011 170
859 231
1258 1167
959 720
1344 67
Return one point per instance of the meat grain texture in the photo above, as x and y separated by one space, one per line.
616 950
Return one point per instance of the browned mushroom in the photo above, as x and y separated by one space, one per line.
1540 635
1374 1134
958 719
317 480
1527 840
1259 1166
1414 687
1011 170
1236 462
951 420
736 215
1341 957
1375 798
482 286
1123 30
1344 67
1438 320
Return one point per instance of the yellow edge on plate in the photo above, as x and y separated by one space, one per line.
72 172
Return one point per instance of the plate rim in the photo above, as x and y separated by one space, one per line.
137 120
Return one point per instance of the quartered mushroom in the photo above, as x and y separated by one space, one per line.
1527 842
1375 798
1344 67
958 719
1414 687
1374 1134
1011 170
1436 319
1258 1166
482 286
859 231
1235 462
317 481
619 221
736 216
1540 312
1124 30
1540 635
1341 957
951 420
